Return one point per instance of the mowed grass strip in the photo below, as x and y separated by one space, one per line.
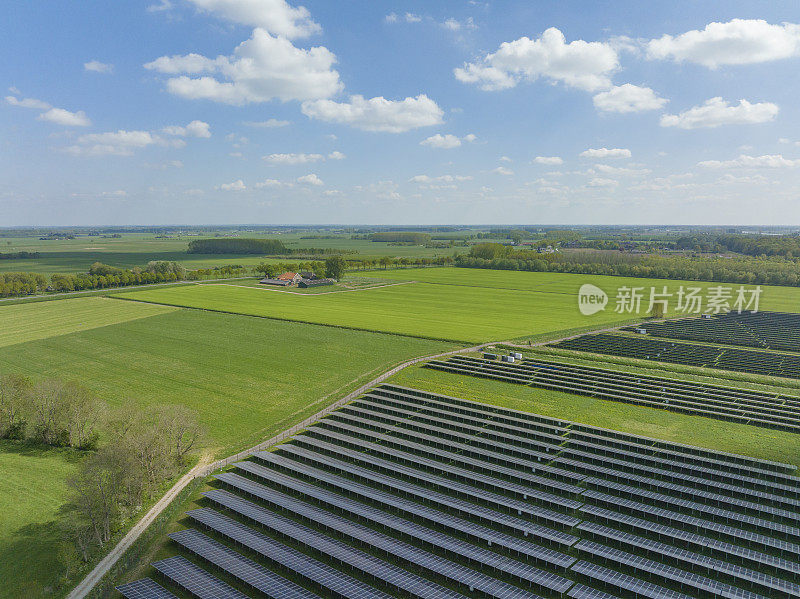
457 313
32 489
246 377
718 435
27 322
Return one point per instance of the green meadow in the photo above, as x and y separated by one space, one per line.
466 305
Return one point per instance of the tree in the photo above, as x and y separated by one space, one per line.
385 261
335 267
14 402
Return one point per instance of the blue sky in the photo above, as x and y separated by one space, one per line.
263 111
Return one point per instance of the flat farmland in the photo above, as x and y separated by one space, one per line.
457 313
246 377
39 320
467 305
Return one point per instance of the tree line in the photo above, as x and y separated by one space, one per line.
128 452
19 255
737 270
263 247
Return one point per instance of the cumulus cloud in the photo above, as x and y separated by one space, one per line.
271 183
745 161
456 25
439 178
162 6
261 68
119 143
716 112
59 116
291 159
628 98
581 64
408 18
501 170
548 160
602 182
447 141
606 153
275 16
193 129
95 66
237 185
377 114
310 179
739 41
268 124
616 170
336 155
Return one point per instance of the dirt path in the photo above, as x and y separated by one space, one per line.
311 294
204 469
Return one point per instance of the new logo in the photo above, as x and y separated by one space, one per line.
591 299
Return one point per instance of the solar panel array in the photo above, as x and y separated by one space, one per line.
770 330
752 361
769 410
404 493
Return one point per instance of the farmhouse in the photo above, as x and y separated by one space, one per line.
292 277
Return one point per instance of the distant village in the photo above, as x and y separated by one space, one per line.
297 279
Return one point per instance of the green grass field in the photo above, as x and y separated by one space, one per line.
137 249
467 305
27 322
649 422
32 488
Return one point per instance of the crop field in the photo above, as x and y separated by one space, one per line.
32 489
463 306
246 377
467 314
136 249
28 322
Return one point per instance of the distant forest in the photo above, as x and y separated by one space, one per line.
260 247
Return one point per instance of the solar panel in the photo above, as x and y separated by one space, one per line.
617 580
145 588
246 570
340 552
195 580
523 547
420 558
580 591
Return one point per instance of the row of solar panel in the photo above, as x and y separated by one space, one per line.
690 354
772 330
429 496
609 388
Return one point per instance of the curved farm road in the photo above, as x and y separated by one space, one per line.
204 468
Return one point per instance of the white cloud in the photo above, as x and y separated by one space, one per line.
377 114
237 185
549 160
160 7
275 16
28 103
716 112
745 161
447 141
268 124
193 129
272 183
581 64
408 18
601 182
439 179
336 155
628 98
59 116
262 68
505 159
291 159
606 153
98 67
119 143
310 179
501 170
456 25
615 170
739 41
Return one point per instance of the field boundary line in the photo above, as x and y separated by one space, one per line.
306 294
203 470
